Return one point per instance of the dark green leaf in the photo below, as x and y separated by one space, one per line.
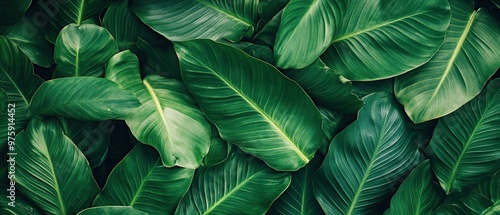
11 11
219 149
463 204
160 59
111 210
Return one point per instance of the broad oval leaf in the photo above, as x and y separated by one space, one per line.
464 148
83 50
240 185
307 29
277 122
418 194
168 119
181 20
11 11
142 182
360 167
379 39
51 167
458 71
83 98
111 210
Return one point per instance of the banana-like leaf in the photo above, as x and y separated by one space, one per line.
53 173
326 87
360 168
464 148
11 11
63 12
168 119
240 185
330 125
379 39
83 98
219 149
83 50
181 20
19 83
458 71
418 194
491 190
276 120
142 182
267 35
307 29
111 210
298 199
464 203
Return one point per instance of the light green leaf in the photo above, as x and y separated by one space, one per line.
142 182
277 122
360 168
168 119
458 71
418 194
50 167
11 11
379 39
181 20
83 50
83 98
307 29
111 210
223 190
464 148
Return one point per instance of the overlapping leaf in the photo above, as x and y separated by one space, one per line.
219 149
11 11
252 104
464 203
111 210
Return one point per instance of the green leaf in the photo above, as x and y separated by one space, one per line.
326 87
181 20
22 206
490 188
11 11
258 51
77 47
168 119
330 124
160 59
277 122
142 182
268 10
50 166
223 190
83 98
362 89
219 149
111 210
360 168
385 38
299 199
307 29
464 148
463 203
458 71
267 35
418 194
4 101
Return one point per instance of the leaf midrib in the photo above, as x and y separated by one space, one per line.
15 85
80 12
227 13
159 109
56 183
143 183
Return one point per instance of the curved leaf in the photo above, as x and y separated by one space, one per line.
360 168
160 59
379 39
142 182
307 29
362 89
267 35
219 149
76 48
181 20
418 194
50 167
277 122
4 101
168 119
268 10
463 203
111 210
331 125
83 98
223 190
458 71
22 206
491 188
464 148
11 11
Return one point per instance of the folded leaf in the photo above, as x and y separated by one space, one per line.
366 159
276 121
111 210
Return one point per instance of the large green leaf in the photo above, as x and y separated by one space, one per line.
491 189
268 10
464 148
142 182
168 119
298 199
267 35
307 29
181 20
11 11
240 185
418 194
219 149
83 50
360 167
277 122
331 124
458 71
326 87
50 167
379 39
464 204
18 82
83 98
111 210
